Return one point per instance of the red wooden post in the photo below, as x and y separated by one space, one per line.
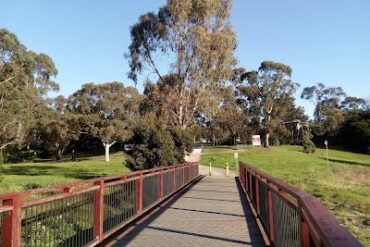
257 195
12 223
67 189
246 180
139 194
183 175
271 215
174 179
250 186
99 211
305 235
161 181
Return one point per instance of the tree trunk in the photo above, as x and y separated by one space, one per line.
106 146
267 141
59 155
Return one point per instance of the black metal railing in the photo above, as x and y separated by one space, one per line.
66 222
119 204
151 193
85 213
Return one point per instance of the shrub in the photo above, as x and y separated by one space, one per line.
308 145
154 144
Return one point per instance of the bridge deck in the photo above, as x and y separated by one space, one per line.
213 212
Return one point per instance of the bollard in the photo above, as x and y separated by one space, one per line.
210 169
227 169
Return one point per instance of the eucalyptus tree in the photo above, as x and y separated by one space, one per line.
105 111
197 40
25 80
54 129
268 95
353 103
331 107
323 98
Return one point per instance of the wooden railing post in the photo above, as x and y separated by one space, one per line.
139 194
250 186
174 179
257 195
12 223
305 235
99 211
271 215
183 175
246 180
161 184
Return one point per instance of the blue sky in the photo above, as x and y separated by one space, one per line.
323 41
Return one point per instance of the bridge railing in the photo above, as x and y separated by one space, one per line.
288 216
85 213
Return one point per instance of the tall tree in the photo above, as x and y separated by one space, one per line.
331 106
55 128
198 36
268 95
105 111
323 97
353 103
25 79
232 118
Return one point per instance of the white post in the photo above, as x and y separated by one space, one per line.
210 169
227 169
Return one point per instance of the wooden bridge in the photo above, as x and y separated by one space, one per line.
170 206
212 212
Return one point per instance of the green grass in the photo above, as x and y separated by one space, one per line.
17 177
343 186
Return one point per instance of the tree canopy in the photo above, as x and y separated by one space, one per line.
268 94
105 111
198 36
25 79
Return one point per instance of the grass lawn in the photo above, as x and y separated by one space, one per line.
21 176
343 186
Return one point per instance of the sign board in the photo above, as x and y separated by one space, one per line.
236 155
256 140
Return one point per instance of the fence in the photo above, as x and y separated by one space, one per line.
289 217
85 213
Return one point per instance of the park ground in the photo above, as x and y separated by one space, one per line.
342 185
41 173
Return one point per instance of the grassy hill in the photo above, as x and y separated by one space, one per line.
42 173
343 186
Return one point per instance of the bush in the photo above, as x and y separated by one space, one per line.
308 145
154 144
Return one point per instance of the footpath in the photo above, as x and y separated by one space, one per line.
204 170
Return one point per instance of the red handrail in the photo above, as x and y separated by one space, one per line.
310 223
25 211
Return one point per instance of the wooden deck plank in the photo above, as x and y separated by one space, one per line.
213 212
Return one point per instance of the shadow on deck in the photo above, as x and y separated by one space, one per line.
211 212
